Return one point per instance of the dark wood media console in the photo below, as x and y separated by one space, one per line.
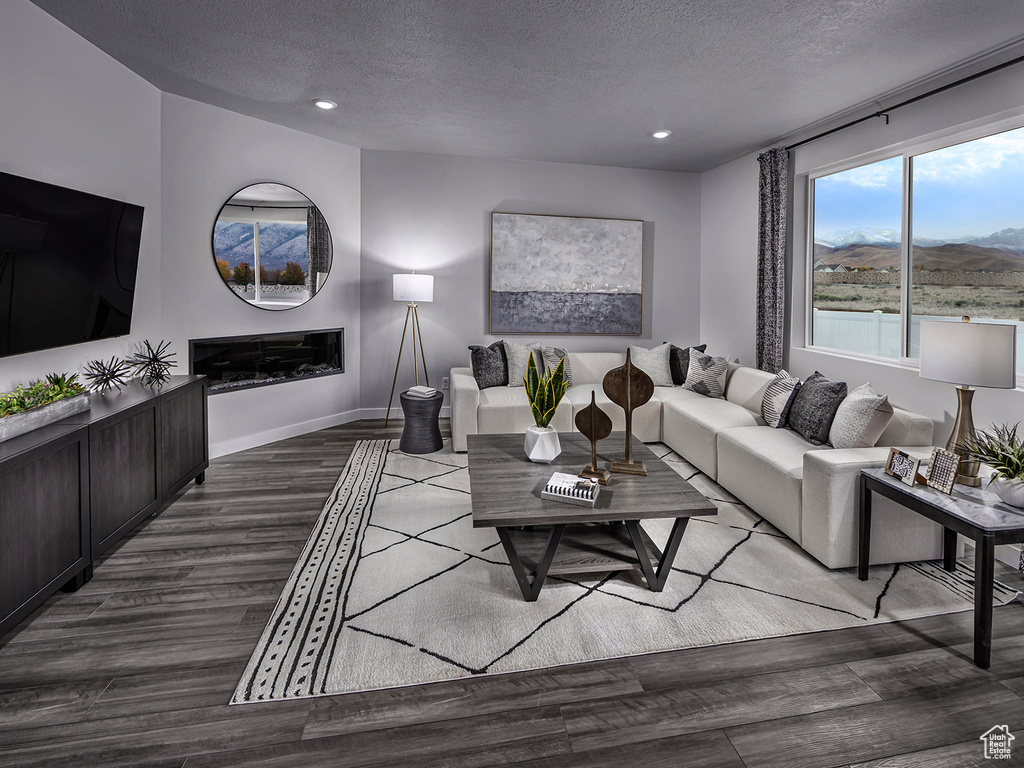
71 490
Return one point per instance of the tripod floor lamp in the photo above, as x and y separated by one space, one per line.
411 288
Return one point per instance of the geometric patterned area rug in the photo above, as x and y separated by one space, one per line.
395 587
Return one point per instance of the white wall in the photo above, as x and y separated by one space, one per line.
208 154
431 213
728 258
75 117
729 246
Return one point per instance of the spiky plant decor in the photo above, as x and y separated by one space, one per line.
105 375
153 366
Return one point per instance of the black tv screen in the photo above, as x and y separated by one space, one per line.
68 262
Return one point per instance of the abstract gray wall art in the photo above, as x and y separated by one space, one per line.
562 274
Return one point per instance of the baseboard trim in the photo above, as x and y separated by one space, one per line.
396 413
226 447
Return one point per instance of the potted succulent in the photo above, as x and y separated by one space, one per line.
544 393
1002 450
39 403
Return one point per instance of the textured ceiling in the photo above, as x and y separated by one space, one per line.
579 81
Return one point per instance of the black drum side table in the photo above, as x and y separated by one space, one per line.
421 433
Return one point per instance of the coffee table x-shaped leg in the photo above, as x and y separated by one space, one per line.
656 578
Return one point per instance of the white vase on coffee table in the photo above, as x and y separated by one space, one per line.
542 444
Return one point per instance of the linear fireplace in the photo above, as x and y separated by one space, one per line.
237 362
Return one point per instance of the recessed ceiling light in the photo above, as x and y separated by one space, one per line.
661 134
325 104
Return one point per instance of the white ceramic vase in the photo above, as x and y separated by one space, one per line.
1010 491
542 444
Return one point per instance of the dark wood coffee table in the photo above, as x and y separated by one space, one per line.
551 537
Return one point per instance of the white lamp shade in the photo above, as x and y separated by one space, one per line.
969 354
414 287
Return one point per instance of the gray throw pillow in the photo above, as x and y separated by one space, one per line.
778 399
706 375
653 362
518 358
815 406
861 419
489 366
551 357
679 361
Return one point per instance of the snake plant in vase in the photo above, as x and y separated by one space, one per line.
544 393
1002 450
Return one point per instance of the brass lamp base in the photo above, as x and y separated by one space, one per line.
963 431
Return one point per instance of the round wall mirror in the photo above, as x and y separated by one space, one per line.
272 246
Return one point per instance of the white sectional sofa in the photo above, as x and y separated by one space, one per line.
808 492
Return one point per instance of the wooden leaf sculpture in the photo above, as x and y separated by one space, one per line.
594 424
628 387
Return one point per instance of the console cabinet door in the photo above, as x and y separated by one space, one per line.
44 524
124 475
183 435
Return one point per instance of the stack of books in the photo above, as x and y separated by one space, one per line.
571 489
418 391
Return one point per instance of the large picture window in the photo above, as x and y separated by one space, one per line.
915 237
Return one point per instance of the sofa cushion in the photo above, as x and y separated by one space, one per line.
706 375
507 409
654 362
552 356
860 419
690 425
589 368
778 398
490 368
679 361
815 407
763 468
518 358
745 386
907 428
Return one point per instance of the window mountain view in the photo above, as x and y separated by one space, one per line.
965 207
280 242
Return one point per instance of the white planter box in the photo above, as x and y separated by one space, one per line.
20 423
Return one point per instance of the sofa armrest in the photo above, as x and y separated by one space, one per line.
465 400
829 511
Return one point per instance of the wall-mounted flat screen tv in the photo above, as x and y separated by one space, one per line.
68 261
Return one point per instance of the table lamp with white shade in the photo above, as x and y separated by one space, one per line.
969 355
414 289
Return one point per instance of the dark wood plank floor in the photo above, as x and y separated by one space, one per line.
137 668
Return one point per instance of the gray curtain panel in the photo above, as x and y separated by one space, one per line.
771 255
319 246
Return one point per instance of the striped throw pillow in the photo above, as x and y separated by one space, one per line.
706 375
777 399
551 357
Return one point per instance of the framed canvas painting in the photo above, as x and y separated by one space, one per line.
566 274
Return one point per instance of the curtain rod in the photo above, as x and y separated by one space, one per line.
885 112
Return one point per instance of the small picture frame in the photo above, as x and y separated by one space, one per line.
942 469
902 466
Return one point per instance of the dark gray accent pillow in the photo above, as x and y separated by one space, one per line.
814 408
679 361
490 367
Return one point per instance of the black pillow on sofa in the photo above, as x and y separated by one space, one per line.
679 361
490 366
814 408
